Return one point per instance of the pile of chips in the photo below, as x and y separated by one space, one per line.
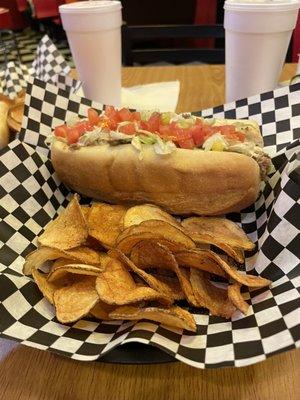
129 263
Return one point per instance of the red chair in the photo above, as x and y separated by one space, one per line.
22 5
45 9
206 13
5 19
296 41
18 21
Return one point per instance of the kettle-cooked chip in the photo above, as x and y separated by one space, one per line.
74 301
243 279
151 253
105 222
101 310
173 316
197 259
48 288
210 296
155 284
81 254
160 231
79 269
68 230
116 286
235 295
145 212
218 230
172 283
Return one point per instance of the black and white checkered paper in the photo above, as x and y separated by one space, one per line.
49 66
49 62
31 195
14 78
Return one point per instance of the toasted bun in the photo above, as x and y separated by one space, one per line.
183 182
5 104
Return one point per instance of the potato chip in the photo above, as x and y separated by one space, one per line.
116 286
145 212
106 223
68 230
74 301
151 280
85 211
173 284
82 254
234 252
174 316
48 288
62 261
210 296
198 259
101 310
37 258
79 269
150 253
161 231
243 279
235 295
221 230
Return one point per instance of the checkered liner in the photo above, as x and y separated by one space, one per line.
49 62
49 66
31 195
14 78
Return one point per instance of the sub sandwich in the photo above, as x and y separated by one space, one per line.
183 163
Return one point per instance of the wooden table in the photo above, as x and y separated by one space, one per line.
27 373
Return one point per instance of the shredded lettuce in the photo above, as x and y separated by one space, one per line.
159 145
162 147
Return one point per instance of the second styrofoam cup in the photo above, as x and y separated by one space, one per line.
257 36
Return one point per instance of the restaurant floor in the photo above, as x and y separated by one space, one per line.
28 40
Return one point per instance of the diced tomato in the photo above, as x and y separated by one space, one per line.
226 129
112 124
241 136
208 131
230 132
186 143
84 126
125 115
154 122
180 133
197 133
184 138
136 115
61 131
112 114
93 116
73 135
128 129
145 126
165 132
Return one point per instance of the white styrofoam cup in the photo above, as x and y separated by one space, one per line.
257 36
93 30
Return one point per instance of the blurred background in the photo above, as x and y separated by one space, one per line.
154 32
